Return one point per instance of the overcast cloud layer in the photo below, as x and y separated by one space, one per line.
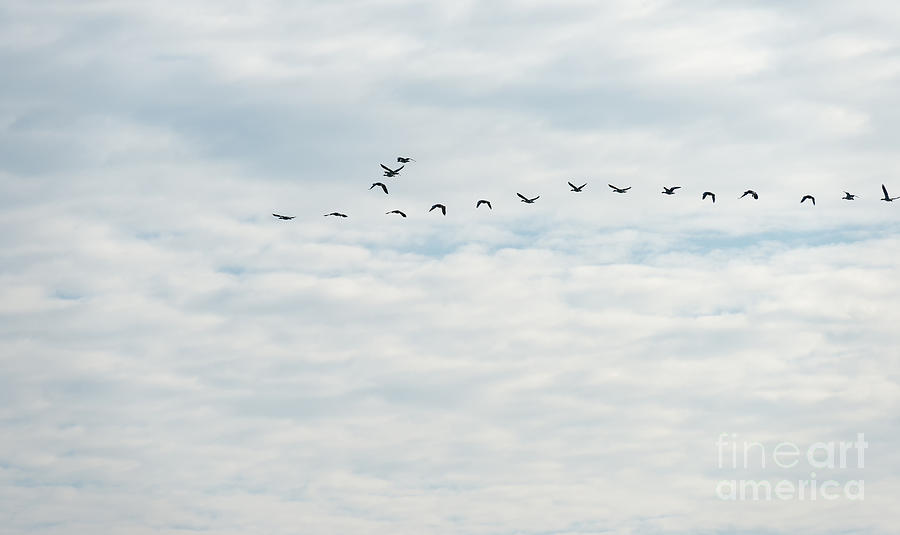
175 360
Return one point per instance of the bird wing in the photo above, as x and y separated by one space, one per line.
524 198
613 187
675 187
884 189
571 185
626 189
536 198
582 186
386 168
383 187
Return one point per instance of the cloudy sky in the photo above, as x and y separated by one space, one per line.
176 360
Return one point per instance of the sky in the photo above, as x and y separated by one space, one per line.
175 360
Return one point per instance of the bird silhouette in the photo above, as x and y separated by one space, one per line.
284 217
388 172
751 193
401 159
577 188
380 185
482 201
887 197
849 196
396 212
336 214
526 199
709 194
670 191
619 190
810 197
441 206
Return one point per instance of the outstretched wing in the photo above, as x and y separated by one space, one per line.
386 168
884 189
524 198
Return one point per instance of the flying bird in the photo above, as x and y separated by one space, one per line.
619 190
402 159
396 212
887 197
577 188
336 214
670 191
526 199
709 194
810 197
482 201
849 196
751 193
380 185
284 217
441 206
388 172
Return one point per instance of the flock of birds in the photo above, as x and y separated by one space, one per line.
667 190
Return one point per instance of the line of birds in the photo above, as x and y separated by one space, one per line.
667 190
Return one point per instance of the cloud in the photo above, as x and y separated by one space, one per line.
175 359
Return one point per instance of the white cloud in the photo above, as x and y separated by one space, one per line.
176 359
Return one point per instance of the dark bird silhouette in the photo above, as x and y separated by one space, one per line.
380 185
810 197
751 193
577 188
336 214
482 201
849 196
396 212
709 194
526 199
402 159
619 190
284 217
670 191
441 206
388 172
887 197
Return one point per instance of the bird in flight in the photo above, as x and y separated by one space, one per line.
751 193
887 197
388 172
709 194
284 217
441 206
336 214
482 201
670 191
396 212
526 199
577 188
402 159
619 190
380 185
810 197
849 196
